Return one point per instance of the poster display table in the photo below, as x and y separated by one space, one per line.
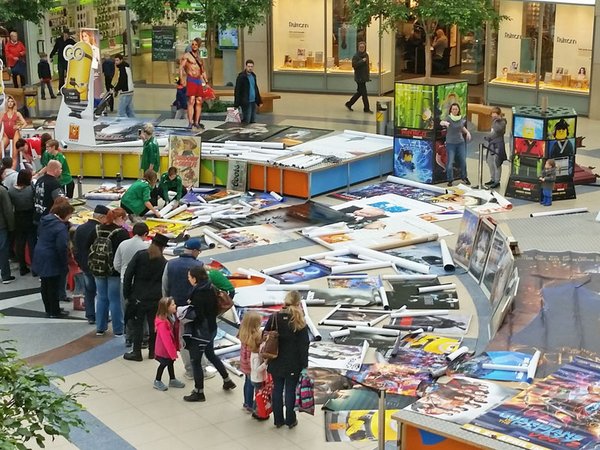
420 432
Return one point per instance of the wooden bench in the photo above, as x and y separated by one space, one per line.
267 98
483 113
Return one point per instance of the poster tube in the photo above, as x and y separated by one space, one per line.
232 338
309 322
175 211
559 212
447 260
158 219
256 273
225 350
339 333
415 184
324 230
339 252
273 145
285 267
404 263
420 312
167 208
215 237
533 364
377 330
502 201
437 287
345 268
232 369
404 242
409 277
384 299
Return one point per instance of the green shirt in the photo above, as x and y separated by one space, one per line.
220 281
65 176
166 184
136 196
150 155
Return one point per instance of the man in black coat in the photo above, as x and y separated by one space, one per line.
247 94
59 46
81 250
360 63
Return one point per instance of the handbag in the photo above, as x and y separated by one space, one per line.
269 348
264 399
305 394
233 115
224 301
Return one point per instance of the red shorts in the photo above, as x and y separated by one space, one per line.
194 87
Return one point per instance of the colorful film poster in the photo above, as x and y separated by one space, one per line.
561 411
184 154
528 127
447 94
413 159
530 147
414 106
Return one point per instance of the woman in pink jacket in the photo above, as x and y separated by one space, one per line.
167 343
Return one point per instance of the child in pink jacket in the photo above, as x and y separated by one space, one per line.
167 343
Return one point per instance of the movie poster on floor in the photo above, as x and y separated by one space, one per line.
359 425
297 135
558 412
460 400
355 282
383 343
431 343
328 383
481 247
429 253
393 378
184 155
335 356
360 398
343 296
385 205
448 325
473 367
254 236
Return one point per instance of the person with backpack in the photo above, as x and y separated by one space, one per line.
103 243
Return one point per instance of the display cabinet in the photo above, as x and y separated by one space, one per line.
471 57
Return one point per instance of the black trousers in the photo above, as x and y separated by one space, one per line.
361 91
15 80
108 86
145 312
25 233
196 353
69 189
62 72
50 293
156 193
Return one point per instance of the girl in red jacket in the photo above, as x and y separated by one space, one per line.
167 343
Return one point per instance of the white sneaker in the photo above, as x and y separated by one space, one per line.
188 376
209 372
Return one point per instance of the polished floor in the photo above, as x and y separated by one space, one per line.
124 411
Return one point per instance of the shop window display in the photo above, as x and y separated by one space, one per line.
545 46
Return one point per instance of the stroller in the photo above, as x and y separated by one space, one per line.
105 101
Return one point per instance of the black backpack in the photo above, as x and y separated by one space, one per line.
100 259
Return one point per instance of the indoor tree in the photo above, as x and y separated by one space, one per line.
468 15
230 13
32 408
12 11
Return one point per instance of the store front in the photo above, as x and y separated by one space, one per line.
545 50
312 44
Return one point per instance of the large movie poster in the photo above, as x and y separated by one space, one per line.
414 106
447 94
184 154
413 159
562 411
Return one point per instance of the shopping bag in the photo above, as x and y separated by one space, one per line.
264 399
233 115
208 93
305 394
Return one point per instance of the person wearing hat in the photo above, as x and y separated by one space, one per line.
142 289
59 47
81 250
123 257
175 284
136 199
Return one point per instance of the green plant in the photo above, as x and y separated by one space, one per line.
31 407
468 15
216 106
227 13
12 11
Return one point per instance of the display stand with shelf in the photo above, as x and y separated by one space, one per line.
471 58
419 140
538 136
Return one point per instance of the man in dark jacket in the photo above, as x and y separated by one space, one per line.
108 70
361 66
124 88
59 47
247 94
175 284
7 225
81 250
46 189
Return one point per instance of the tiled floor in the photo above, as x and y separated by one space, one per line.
124 411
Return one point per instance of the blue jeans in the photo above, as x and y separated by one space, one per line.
109 297
249 113
4 254
125 106
458 152
284 388
249 393
89 295
546 197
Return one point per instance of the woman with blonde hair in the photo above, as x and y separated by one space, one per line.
12 121
292 358
251 363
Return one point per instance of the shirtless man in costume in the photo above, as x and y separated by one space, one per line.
192 75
